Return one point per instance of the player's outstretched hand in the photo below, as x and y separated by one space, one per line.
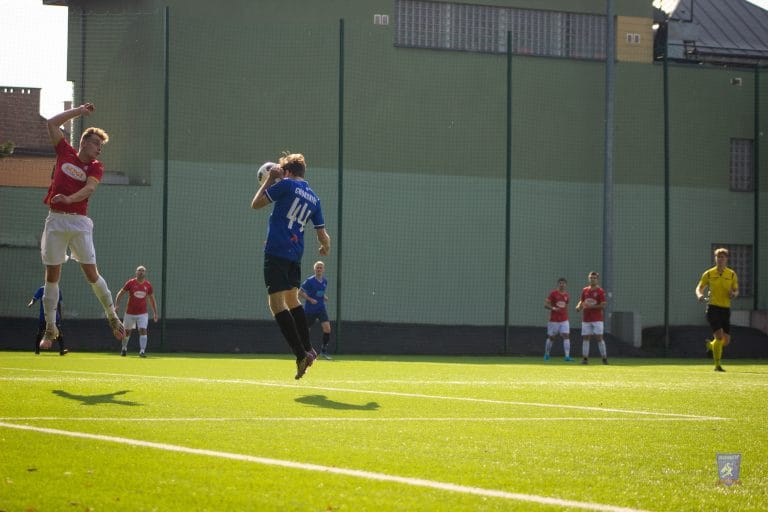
87 109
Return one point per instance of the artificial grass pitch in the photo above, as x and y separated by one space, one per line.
372 433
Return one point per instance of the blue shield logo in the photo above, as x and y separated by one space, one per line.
728 468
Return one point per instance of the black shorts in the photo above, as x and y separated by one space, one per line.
281 274
719 318
314 317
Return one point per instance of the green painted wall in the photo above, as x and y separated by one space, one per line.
425 156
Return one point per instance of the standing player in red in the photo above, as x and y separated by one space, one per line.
557 304
75 178
139 289
593 304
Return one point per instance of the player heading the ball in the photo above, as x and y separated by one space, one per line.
295 204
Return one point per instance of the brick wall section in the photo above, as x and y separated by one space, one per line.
26 171
21 122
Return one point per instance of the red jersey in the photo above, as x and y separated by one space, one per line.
69 176
592 297
137 296
560 301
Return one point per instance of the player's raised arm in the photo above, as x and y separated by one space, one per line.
260 199
54 123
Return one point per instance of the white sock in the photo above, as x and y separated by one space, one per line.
102 293
603 351
125 343
567 347
585 348
143 342
548 346
50 301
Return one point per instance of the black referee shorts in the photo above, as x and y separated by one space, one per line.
719 318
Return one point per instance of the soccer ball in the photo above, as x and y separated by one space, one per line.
263 173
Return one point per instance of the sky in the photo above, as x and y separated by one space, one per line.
33 50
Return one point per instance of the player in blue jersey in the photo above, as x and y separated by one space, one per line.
41 324
294 205
313 291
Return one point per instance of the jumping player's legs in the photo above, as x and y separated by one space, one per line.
50 300
282 278
101 290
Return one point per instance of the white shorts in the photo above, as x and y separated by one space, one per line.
590 328
563 328
131 322
63 230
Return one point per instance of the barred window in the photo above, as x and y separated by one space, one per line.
740 260
483 28
742 165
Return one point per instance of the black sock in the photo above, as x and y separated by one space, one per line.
288 328
326 339
300 318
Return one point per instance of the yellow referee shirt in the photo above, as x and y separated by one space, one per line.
720 285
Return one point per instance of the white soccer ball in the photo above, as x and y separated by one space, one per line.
263 173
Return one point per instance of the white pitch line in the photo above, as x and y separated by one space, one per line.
368 475
343 420
384 393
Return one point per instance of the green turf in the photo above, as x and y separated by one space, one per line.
640 434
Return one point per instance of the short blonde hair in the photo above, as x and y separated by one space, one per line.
95 131
721 250
293 163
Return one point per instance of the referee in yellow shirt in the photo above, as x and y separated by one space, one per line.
723 286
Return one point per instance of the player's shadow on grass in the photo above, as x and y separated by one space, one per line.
325 402
106 398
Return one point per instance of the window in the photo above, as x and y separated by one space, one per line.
740 260
482 28
742 166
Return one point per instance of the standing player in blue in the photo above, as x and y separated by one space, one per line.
41 321
295 204
313 290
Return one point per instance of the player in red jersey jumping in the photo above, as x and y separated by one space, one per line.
75 178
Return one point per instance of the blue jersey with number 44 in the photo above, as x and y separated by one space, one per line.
295 204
